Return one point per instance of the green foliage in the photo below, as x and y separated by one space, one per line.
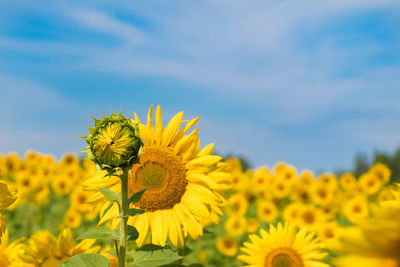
152 258
362 163
133 233
136 197
110 195
133 212
102 232
86 260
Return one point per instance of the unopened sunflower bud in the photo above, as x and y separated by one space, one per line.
114 142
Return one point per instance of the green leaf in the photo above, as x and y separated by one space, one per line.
133 212
133 233
152 258
136 197
102 232
110 195
150 247
86 260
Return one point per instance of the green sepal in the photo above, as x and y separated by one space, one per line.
102 232
133 212
133 233
86 260
136 196
110 195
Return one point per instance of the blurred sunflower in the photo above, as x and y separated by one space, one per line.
261 179
237 204
227 245
181 181
46 250
235 225
347 181
355 208
267 211
381 171
369 184
252 225
283 246
9 252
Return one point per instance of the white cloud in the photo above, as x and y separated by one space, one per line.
102 22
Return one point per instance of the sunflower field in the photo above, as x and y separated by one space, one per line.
148 194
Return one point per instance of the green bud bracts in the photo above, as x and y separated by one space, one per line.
114 142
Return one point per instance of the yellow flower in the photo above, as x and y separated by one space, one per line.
281 188
355 208
283 246
69 161
9 252
329 180
347 181
291 212
252 225
235 225
261 179
287 175
267 211
369 183
62 185
8 195
374 240
321 194
381 171
181 181
46 250
237 204
306 177
309 216
227 245
279 167
11 163
72 219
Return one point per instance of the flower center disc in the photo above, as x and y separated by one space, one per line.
283 257
163 176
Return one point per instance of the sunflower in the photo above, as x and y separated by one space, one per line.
373 241
8 252
252 225
237 204
46 250
261 179
267 211
283 246
72 218
347 181
355 208
369 183
288 175
181 181
8 195
310 216
227 245
291 212
306 177
322 195
381 171
235 225
62 185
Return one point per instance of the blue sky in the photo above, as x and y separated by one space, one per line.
271 80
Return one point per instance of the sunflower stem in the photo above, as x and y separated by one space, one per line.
124 219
